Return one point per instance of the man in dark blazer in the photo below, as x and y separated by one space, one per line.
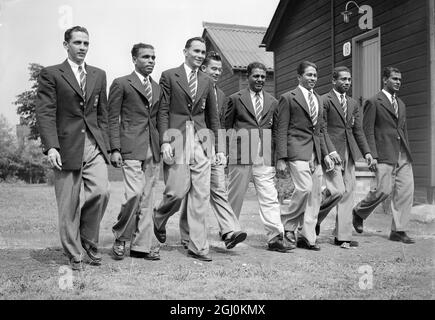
249 120
134 141
345 140
385 127
300 142
72 121
230 231
187 111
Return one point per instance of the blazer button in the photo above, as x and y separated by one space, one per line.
189 105
83 130
81 103
398 138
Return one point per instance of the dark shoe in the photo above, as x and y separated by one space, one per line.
304 244
185 244
400 236
160 234
278 244
236 237
357 222
145 255
317 229
290 237
346 244
202 257
77 265
92 253
118 249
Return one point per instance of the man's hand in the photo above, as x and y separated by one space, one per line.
54 159
335 157
220 159
116 159
371 162
167 153
280 165
329 163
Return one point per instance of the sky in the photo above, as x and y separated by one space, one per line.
32 31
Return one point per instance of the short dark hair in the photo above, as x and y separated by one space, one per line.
211 55
137 46
303 65
68 33
189 42
337 70
388 70
255 65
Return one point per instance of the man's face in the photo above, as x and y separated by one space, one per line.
343 82
213 69
77 47
145 61
309 78
195 54
256 79
393 83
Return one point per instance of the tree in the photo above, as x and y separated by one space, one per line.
26 102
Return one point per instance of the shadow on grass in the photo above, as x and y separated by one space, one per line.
49 256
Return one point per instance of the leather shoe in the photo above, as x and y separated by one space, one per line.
236 237
290 237
92 253
118 249
160 234
317 229
185 244
145 255
77 265
357 222
277 244
350 243
202 257
303 243
400 236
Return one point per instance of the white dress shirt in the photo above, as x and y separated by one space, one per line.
75 69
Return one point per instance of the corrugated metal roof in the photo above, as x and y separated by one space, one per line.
239 44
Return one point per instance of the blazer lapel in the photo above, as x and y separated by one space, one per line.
91 78
382 98
245 98
68 75
134 81
300 99
336 103
200 86
182 80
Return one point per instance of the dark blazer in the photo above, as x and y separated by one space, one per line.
344 131
176 106
222 102
240 114
132 120
384 132
296 136
63 114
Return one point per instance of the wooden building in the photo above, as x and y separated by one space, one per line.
238 45
396 33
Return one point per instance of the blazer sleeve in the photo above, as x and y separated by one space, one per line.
163 113
45 110
358 131
369 119
116 93
102 116
282 121
230 113
327 140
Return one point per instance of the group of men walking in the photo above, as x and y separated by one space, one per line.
185 121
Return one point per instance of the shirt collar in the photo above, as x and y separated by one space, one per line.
75 66
305 91
189 70
141 77
389 96
339 95
253 93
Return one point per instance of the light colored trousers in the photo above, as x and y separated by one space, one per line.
397 180
225 215
135 222
263 178
193 182
305 200
77 225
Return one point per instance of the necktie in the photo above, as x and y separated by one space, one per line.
258 107
148 91
313 110
192 85
82 75
395 106
343 103
217 102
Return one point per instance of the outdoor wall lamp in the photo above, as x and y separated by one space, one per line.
346 13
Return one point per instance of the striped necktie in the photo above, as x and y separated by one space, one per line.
82 75
343 103
395 106
192 85
313 110
148 91
258 107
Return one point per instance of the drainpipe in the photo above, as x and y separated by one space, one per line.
431 189
333 36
